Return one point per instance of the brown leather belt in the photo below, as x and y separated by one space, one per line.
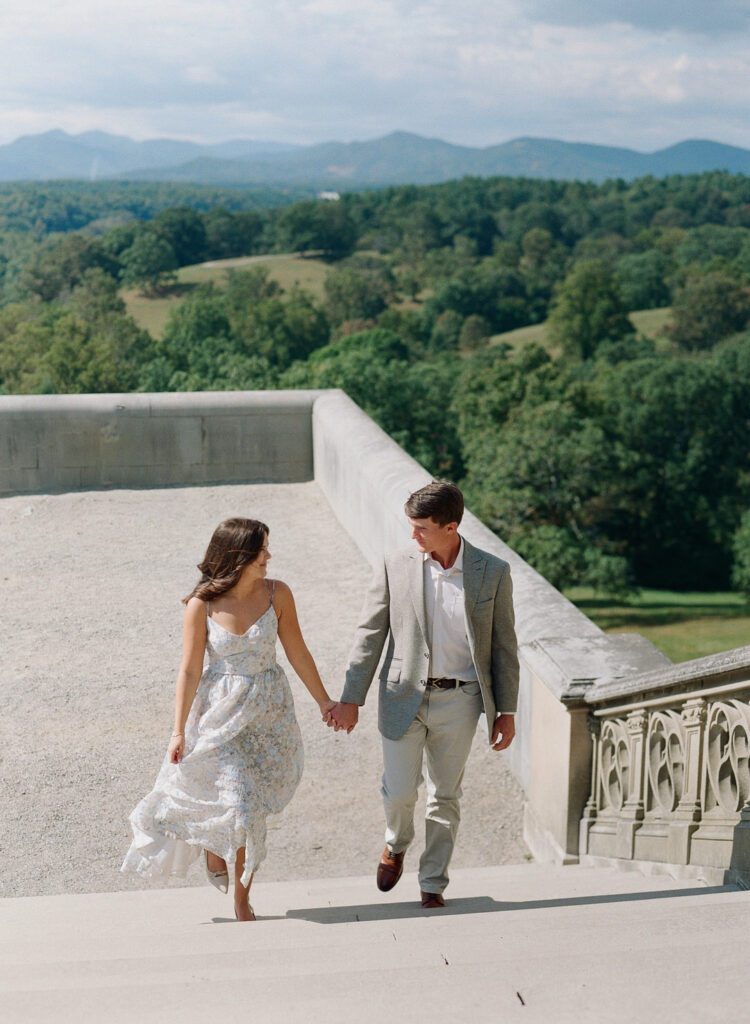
447 684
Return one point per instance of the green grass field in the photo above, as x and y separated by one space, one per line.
649 322
287 270
682 625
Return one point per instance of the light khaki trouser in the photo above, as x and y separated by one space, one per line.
443 729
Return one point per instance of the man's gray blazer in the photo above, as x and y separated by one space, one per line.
395 610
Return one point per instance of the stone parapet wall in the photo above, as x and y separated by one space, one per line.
69 442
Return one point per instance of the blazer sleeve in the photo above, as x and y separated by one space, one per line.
504 648
369 639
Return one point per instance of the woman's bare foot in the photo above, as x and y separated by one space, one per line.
242 909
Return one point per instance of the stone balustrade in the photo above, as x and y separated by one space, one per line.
670 775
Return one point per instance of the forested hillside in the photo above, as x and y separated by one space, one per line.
605 457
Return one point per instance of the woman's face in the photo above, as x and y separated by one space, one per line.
258 569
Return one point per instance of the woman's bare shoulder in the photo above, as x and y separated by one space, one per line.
196 609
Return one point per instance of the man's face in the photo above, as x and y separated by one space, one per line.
430 536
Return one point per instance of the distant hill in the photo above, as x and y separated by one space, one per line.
398 158
95 155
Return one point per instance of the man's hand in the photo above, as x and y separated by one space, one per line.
344 716
503 732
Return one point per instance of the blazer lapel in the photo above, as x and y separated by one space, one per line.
474 568
416 587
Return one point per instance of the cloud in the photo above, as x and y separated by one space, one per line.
700 16
312 70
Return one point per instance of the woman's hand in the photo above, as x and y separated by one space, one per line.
176 747
326 707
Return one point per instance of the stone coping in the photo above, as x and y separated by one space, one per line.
714 669
167 403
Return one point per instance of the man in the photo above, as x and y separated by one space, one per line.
446 611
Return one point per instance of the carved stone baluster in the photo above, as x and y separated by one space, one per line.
592 804
687 815
631 814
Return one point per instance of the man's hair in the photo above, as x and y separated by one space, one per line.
440 501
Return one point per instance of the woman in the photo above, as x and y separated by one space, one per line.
235 755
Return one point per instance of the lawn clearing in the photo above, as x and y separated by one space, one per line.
286 269
682 625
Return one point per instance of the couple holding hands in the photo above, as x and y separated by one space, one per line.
442 610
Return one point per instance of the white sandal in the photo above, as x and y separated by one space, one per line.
218 879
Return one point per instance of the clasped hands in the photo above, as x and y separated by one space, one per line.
338 715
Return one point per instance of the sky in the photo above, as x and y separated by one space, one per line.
637 73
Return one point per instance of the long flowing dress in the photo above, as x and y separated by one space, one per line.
242 761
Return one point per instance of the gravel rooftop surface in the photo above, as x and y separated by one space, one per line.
91 626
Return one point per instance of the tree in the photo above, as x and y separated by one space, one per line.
149 262
676 437
741 551
196 332
543 484
354 293
474 333
284 331
231 234
642 279
489 290
184 231
85 345
709 307
325 227
587 310
61 265
446 331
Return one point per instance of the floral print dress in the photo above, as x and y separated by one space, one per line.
242 760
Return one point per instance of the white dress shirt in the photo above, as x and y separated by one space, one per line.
450 654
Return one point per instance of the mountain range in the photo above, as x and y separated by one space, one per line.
398 158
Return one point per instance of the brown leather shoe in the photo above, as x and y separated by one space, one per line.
390 869
431 900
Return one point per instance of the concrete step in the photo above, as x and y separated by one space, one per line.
529 942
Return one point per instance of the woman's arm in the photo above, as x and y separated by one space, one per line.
294 644
189 674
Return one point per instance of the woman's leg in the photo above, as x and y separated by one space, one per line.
241 892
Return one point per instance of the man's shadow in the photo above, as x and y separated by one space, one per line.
482 905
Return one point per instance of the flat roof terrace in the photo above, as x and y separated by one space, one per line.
91 587
90 636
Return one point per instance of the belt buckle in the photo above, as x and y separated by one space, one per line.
444 684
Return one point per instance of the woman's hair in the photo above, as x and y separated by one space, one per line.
440 501
235 543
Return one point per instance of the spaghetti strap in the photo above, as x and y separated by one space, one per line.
208 609
272 584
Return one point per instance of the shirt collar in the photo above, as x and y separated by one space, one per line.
458 565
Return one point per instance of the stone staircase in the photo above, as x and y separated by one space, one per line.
520 943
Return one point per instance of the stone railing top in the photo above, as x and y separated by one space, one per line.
158 403
713 670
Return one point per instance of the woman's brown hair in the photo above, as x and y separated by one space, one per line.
235 543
